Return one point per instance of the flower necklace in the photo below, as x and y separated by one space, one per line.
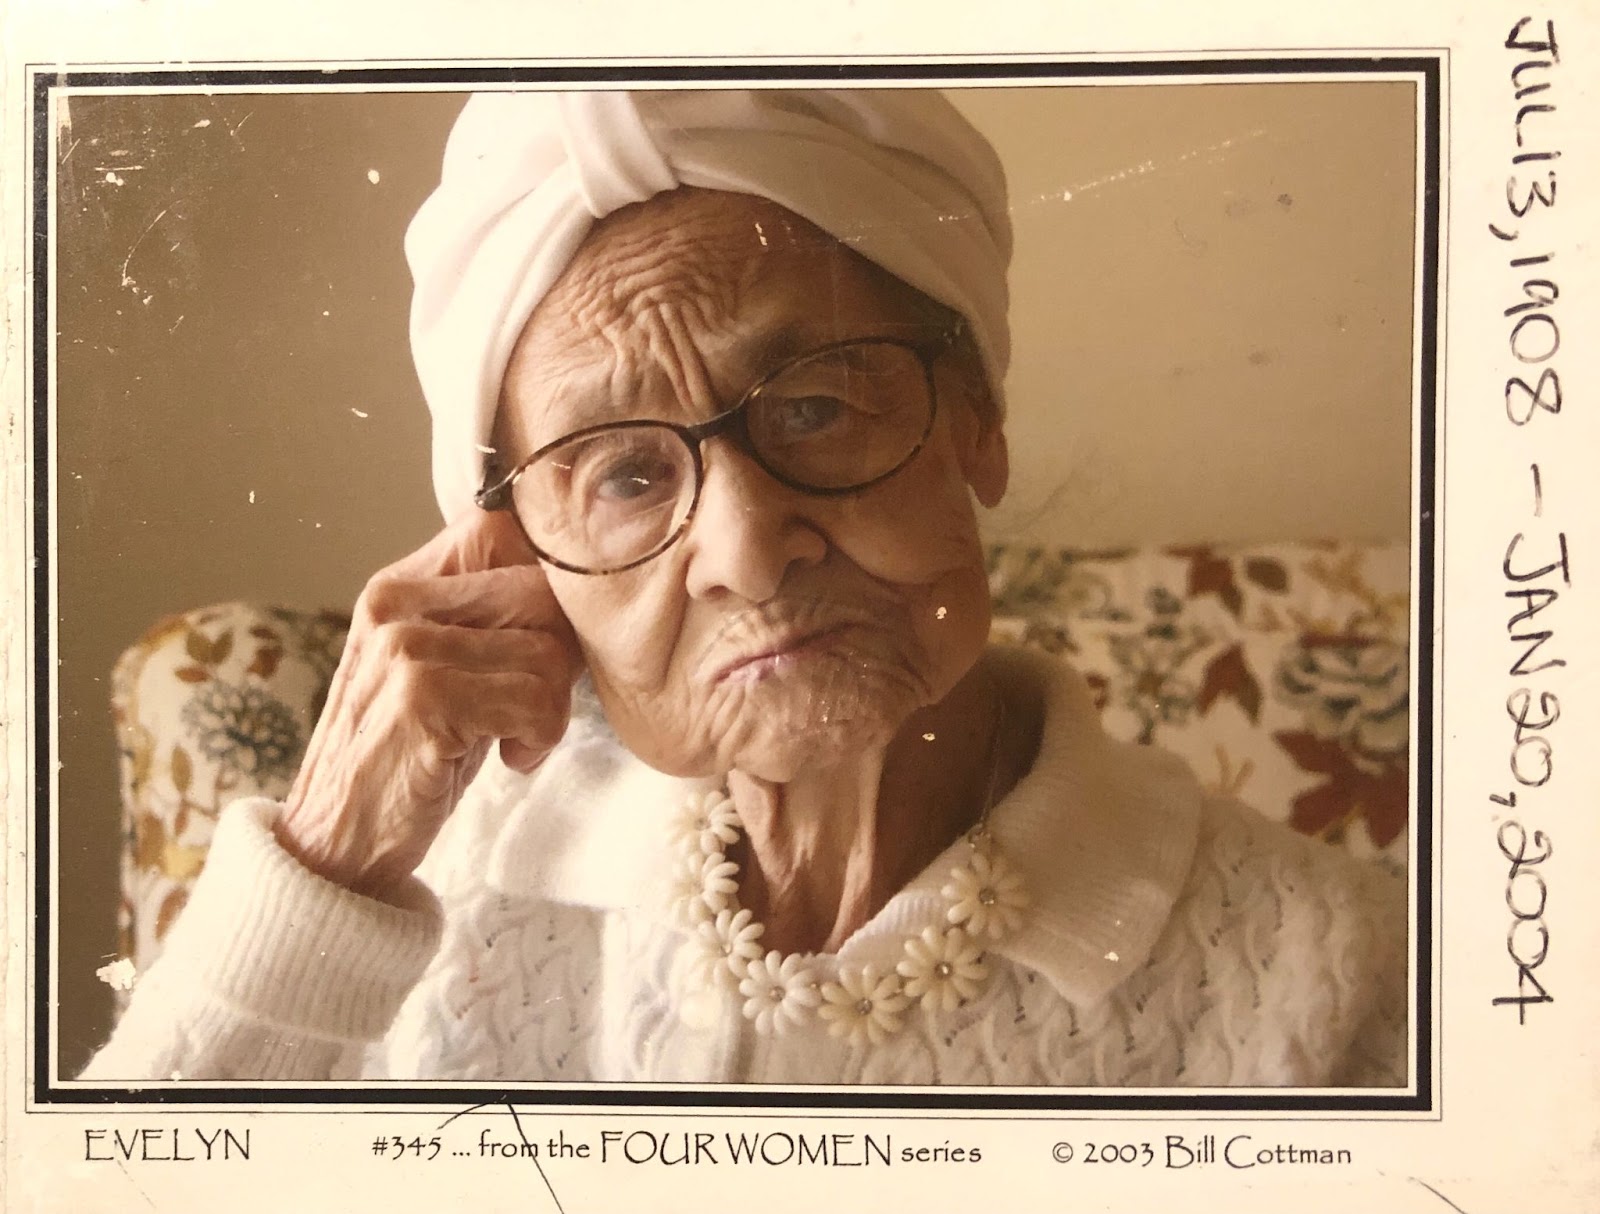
985 900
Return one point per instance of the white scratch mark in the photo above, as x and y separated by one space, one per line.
374 176
357 412
204 122
760 235
234 128
941 613
252 497
927 737
115 180
325 312
119 975
176 323
126 281
484 450
1137 170
1112 956
117 168
71 149
1146 167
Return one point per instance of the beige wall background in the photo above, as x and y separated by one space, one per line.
1212 316
1211 309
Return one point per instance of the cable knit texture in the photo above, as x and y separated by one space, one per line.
1176 939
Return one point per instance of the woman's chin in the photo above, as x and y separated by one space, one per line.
785 757
783 725
784 742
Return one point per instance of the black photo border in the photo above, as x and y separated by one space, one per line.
1427 65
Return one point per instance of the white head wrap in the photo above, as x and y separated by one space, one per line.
897 175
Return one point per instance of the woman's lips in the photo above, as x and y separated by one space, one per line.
775 655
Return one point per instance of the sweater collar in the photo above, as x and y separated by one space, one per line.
1102 831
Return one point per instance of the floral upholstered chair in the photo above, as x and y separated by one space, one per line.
1280 672
209 706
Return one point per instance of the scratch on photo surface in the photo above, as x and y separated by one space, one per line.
135 1183
518 1122
1439 1195
233 127
1198 246
126 281
1144 168
471 1108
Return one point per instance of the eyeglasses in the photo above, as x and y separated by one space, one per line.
833 421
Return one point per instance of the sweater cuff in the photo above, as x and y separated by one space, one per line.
283 945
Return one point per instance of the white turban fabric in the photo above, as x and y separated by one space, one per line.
897 175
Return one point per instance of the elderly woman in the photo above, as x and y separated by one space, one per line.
681 753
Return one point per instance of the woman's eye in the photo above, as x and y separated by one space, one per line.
807 415
632 479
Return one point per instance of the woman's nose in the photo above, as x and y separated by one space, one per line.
748 530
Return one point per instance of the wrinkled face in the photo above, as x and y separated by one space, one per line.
783 630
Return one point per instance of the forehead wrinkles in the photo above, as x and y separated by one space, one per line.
695 261
655 288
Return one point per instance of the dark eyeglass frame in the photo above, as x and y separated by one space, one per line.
497 492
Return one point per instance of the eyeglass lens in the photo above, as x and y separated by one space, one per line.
832 421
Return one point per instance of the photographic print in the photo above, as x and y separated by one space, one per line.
615 623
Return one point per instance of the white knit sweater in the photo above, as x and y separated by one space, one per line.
1175 938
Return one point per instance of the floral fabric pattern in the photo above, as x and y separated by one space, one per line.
1281 672
209 706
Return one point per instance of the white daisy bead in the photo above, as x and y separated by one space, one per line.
987 897
943 969
778 991
863 1006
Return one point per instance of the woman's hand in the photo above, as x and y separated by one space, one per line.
456 646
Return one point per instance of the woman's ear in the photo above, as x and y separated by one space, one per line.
987 461
981 443
979 428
